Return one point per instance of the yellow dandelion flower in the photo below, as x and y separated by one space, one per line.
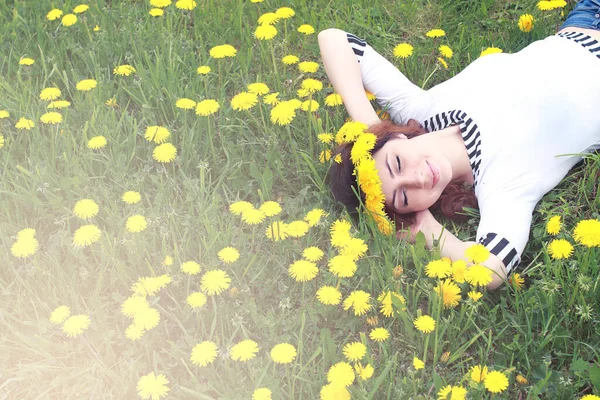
262 393
271 99
207 107
26 61
477 253
1 141
425 324
86 85
313 253
86 209
150 285
164 153
75 325
308 67
268 18
160 3
342 266
147 318
69 19
526 22
215 282
196 300
96 28
310 105
283 353
365 372
190 268
329 295
4 114
253 216
204 353
442 62
341 373
587 232
354 351
157 134
185 104
403 50
186 4
244 101
228 255
285 12
478 373
438 269
97 142
495 382
283 113
86 235
265 32
553 225
51 93
297 229
51 117
312 85
354 248
521 380
479 275
334 391
449 292
548 5
303 270
60 314
203 70
306 29
333 100
24 123
490 50
136 223
560 249
418 363
156 12
81 8
54 14
290 59
222 51
359 300
134 305
168 261
475 295
244 350
258 88
435 33
379 334
276 231
24 247
134 332
445 51
452 392
459 269
517 280
387 307
123 70
313 217
59 104
239 207
131 197
152 386
112 102
270 208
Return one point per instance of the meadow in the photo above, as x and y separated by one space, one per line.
167 231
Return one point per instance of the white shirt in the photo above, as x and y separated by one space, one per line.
527 118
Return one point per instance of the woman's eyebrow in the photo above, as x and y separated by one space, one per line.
388 166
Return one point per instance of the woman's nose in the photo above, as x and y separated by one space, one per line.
416 180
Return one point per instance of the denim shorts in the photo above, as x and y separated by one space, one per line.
586 14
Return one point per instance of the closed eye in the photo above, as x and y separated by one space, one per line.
399 166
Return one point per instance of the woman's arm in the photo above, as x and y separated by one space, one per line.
345 75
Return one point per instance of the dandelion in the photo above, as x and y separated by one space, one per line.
86 85
240 207
136 223
24 247
81 8
435 33
303 270
54 14
207 107
270 208
587 232
196 299
455 393
365 372
134 305
222 51
341 373
228 255
355 248
186 4
258 88
385 299
152 386
157 134
156 12
59 104
418 364
271 99
425 323
4 114
310 105
329 295
521 380
185 104
308 67
147 318
51 93
553 225
203 70
490 50
168 261
124 70
244 101
285 12
204 353
69 19
359 300
265 32
244 350
443 62
215 282
403 50
475 295
459 269
276 231
96 28
134 332
60 314
312 85
75 325
495 382
342 266
290 59
262 393
160 3
26 61
86 235
438 269
517 280
51 117
112 102
268 18
526 22
548 5
560 249
283 114
306 29
449 292
445 51
150 285
86 208
334 392
333 100
379 334
312 253
314 216
253 216
478 373
97 142
190 268
354 351
297 229
164 153
283 353
24 123
477 253
479 275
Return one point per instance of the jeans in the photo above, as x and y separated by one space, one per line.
586 14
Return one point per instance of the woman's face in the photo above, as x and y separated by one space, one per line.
413 176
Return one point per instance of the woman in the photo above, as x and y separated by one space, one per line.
511 125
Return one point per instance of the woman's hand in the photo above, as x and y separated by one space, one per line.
424 222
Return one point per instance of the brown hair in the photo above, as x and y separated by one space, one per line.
345 188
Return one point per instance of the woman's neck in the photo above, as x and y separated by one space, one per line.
452 145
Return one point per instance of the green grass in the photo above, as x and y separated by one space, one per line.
543 331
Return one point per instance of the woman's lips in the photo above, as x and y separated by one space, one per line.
435 174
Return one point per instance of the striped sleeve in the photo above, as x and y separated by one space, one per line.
358 45
501 247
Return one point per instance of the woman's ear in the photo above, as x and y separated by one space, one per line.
401 136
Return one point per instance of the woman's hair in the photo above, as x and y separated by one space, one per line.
344 186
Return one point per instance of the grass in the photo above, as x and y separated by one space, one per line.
546 331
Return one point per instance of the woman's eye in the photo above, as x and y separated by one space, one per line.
405 198
398 161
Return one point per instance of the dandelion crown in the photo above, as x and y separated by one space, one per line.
366 174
